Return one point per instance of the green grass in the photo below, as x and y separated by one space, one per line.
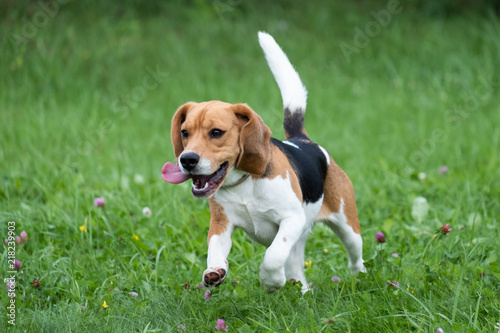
79 122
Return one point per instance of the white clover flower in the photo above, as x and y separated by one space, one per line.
146 211
419 209
138 179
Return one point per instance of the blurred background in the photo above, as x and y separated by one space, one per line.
403 94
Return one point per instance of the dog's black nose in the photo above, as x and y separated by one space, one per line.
189 161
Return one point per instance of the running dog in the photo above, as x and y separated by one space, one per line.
276 191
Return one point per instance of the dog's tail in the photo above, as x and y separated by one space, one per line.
293 92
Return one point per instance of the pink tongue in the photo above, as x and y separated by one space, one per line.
172 173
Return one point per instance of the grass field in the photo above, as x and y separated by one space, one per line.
87 94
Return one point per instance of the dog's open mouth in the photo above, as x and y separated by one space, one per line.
205 185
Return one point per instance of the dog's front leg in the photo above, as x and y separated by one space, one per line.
219 245
272 269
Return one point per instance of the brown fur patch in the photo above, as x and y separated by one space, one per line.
280 166
254 141
218 220
337 187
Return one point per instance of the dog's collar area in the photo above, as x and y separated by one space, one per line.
238 182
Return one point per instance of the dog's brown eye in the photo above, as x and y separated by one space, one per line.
216 133
184 134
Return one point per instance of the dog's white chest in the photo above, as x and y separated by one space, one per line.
260 222
259 206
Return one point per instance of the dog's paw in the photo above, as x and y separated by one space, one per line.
357 267
272 280
214 277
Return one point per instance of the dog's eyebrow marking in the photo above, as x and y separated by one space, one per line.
291 144
284 239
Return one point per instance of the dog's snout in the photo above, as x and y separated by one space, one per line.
189 161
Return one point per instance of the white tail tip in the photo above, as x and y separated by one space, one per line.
293 92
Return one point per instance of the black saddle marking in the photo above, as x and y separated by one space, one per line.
309 163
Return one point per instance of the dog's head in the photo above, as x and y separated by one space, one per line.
210 138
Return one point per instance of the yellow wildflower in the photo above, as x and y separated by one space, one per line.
104 305
84 226
136 237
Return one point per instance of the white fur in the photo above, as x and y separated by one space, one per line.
326 154
292 90
271 214
351 240
218 250
294 268
258 206
291 144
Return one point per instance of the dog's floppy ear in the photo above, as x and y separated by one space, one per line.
254 141
175 132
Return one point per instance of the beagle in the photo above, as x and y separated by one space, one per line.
276 191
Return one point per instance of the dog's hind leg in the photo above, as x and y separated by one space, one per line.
340 214
352 241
